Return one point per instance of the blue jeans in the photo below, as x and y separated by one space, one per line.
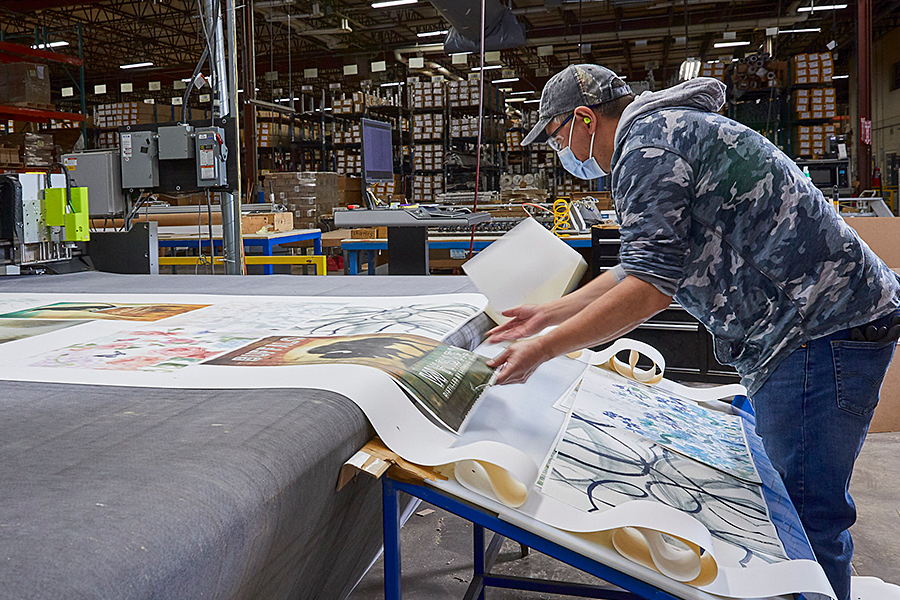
813 414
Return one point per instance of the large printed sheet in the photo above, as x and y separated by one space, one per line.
685 502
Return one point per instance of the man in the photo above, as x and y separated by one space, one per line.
714 215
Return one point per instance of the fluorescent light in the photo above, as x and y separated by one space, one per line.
137 65
508 100
711 62
507 80
49 45
390 3
521 93
487 68
807 30
840 76
531 101
391 84
729 44
433 33
822 7
287 99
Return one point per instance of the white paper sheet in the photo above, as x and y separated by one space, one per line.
528 265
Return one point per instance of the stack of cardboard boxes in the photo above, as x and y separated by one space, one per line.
349 161
428 94
513 140
428 126
348 134
492 129
120 114
429 157
714 69
813 68
817 103
425 187
357 102
466 93
272 135
812 141
25 84
29 149
570 185
308 195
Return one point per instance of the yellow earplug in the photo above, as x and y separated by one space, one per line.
587 121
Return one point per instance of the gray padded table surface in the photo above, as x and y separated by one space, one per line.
139 493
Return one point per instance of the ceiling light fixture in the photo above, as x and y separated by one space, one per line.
508 100
392 84
49 45
272 3
807 30
822 7
522 93
507 80
488 68
432 33
136 65
840 76
531 101
730 44
391 3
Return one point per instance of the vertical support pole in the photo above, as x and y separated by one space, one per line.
81 85
226 93
391 523
864 84
248 56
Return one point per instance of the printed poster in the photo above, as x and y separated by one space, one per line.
103 311
443 381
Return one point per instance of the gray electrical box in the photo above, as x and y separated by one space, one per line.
176 142
211 155
100 172
140 160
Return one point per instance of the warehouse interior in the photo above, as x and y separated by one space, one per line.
424 223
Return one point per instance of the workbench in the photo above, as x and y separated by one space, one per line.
138 493
188 236
353 247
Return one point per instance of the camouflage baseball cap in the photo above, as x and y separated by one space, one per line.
574 86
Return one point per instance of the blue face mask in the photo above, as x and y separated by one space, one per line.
587 169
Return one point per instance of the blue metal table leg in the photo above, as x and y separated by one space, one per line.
351 262
317 245
267 250
371 261
391 523
478 563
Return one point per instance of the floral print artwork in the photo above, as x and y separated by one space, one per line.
157 350
711 437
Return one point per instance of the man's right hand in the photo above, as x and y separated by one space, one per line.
527 320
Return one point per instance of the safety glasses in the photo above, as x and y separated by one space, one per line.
551 140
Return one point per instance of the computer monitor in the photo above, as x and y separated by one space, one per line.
377 152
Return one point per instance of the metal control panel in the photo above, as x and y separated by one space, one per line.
140 160
211 156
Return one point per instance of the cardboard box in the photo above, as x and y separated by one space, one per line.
368 233
283 221
881 233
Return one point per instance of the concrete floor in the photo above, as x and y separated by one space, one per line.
437 547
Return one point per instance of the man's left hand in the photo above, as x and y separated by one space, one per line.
519 361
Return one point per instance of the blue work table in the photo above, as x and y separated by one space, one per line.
353 247
189 237
782 513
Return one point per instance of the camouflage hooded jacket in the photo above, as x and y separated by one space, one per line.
715 215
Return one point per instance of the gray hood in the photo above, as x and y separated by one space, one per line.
702 93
